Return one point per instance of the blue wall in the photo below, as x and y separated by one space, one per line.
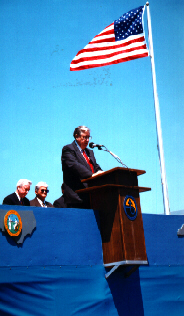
58 270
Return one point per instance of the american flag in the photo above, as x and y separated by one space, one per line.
121 41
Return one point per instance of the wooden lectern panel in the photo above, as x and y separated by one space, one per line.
110 226
132 230
112 194
122 239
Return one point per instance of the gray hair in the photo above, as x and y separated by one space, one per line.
78 130
23 182
40 184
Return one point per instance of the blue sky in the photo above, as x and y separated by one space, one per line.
42 101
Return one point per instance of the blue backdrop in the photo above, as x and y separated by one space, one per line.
59 269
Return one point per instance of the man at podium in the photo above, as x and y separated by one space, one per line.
78 162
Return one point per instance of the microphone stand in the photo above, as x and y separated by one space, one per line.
110 152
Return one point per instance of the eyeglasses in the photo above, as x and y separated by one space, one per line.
46 191
86 137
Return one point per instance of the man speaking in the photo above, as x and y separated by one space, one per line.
78 162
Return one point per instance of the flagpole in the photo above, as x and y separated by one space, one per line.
158 120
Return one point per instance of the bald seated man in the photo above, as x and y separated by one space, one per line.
19 196
41 190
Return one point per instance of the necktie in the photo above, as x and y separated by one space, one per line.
21 202
88 161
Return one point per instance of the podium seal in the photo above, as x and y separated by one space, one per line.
13 223
130 207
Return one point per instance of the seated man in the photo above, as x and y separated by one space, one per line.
60 203
41 190
18 197
78 162
67 199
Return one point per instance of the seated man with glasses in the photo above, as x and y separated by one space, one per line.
78 162
41 190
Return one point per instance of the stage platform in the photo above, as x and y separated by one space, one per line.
58 269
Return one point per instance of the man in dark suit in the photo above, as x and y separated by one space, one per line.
41 190
18 197
61 202
78 162
68 198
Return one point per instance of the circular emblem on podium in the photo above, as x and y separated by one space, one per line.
130 207
13 223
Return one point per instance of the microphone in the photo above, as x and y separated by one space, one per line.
93 145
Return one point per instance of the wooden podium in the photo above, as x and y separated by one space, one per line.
115 194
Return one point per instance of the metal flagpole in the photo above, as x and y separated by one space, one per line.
158 121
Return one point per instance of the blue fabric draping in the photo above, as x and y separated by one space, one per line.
83 290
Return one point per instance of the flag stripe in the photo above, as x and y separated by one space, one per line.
117 61
109 27
92 49
104 39
108 32
88 57
132 38
111 59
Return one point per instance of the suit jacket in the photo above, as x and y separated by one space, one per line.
75 168
35 202
60 203
12 199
